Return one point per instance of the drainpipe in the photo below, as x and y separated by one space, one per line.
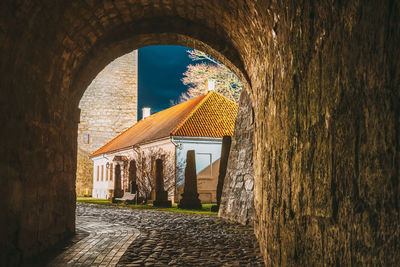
177 146
105 157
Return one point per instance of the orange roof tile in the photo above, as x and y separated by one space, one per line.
210 115
214 117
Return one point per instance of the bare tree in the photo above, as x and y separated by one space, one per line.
145 181
146 178
145 185
226 82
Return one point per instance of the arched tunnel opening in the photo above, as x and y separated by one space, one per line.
108 113
111 104
114 165
323 79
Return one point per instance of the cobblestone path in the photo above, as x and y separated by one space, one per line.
104 246
128 237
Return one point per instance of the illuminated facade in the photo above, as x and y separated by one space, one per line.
198 124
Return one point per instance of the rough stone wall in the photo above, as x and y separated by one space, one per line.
327 135
324 80
237 202
108 107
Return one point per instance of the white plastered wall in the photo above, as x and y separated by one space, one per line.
207 150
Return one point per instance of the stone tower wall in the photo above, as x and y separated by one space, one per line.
108 107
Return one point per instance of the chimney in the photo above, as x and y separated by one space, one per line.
146 112
210 85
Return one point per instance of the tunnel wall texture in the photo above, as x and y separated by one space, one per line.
323 77
327 135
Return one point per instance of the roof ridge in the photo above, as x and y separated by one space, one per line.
207 96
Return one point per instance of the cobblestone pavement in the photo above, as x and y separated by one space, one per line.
160 239
104 246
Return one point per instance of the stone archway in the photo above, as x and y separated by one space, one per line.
323 79
71 72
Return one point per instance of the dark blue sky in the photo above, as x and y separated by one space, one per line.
160 73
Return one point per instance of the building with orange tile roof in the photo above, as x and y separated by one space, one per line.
198 124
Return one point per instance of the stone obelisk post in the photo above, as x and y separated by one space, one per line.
161 194
223 164
190 197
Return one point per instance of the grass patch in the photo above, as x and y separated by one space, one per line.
206 209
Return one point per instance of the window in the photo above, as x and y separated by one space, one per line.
203 164
107 172
111 172
102 171
97 172
86 138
